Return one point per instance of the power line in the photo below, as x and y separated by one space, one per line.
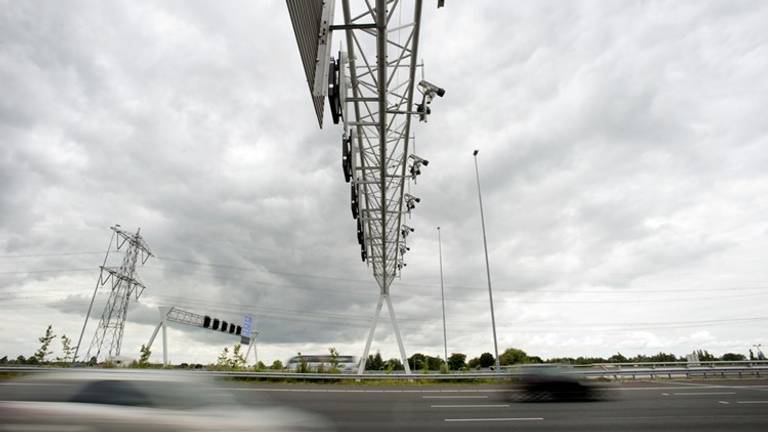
231 267
352 280
41 255
346 319
245 307
535 301
46 271
727 295
435 285
601 292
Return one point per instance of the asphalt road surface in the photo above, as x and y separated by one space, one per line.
714 405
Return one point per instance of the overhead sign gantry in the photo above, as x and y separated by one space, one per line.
245 332
371 91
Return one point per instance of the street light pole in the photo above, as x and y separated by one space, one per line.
487 265
442 293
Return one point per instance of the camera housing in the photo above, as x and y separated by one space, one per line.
418 159
405 230
428 91
410 202
427 88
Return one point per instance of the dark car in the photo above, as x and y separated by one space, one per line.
542 384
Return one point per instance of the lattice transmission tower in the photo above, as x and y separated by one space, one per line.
124 286
371 90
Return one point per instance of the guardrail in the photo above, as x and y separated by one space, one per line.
713 363
625 371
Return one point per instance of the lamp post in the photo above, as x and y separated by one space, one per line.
487 265
442 294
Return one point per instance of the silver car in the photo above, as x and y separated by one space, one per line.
138 401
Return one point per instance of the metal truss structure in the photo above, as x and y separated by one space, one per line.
124 286
176 315
371 87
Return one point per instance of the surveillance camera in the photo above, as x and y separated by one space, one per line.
428 87
405 230
410 197
419 160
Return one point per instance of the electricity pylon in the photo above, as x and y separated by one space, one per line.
124 285
371 86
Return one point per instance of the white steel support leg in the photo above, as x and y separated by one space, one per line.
154 335
379 304
164 312
252 344
165 342
397 334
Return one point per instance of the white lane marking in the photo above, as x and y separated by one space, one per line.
704 393
466 391
757 387
471 406
752 402
306 390
608 388
665 394
421 391
455 397
494 419
724 402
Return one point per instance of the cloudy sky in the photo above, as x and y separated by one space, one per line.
623 159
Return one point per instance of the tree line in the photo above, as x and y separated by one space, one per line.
515 356
233 359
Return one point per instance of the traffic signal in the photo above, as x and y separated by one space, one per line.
222 326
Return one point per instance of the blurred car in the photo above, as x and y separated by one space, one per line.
541 384
138 401
344 363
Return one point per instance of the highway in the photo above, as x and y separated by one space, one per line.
661 405
714 405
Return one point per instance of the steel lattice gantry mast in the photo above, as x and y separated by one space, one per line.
382 99
371 87
123 285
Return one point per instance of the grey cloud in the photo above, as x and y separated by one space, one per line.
613 140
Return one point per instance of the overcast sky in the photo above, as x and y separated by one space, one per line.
623 159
